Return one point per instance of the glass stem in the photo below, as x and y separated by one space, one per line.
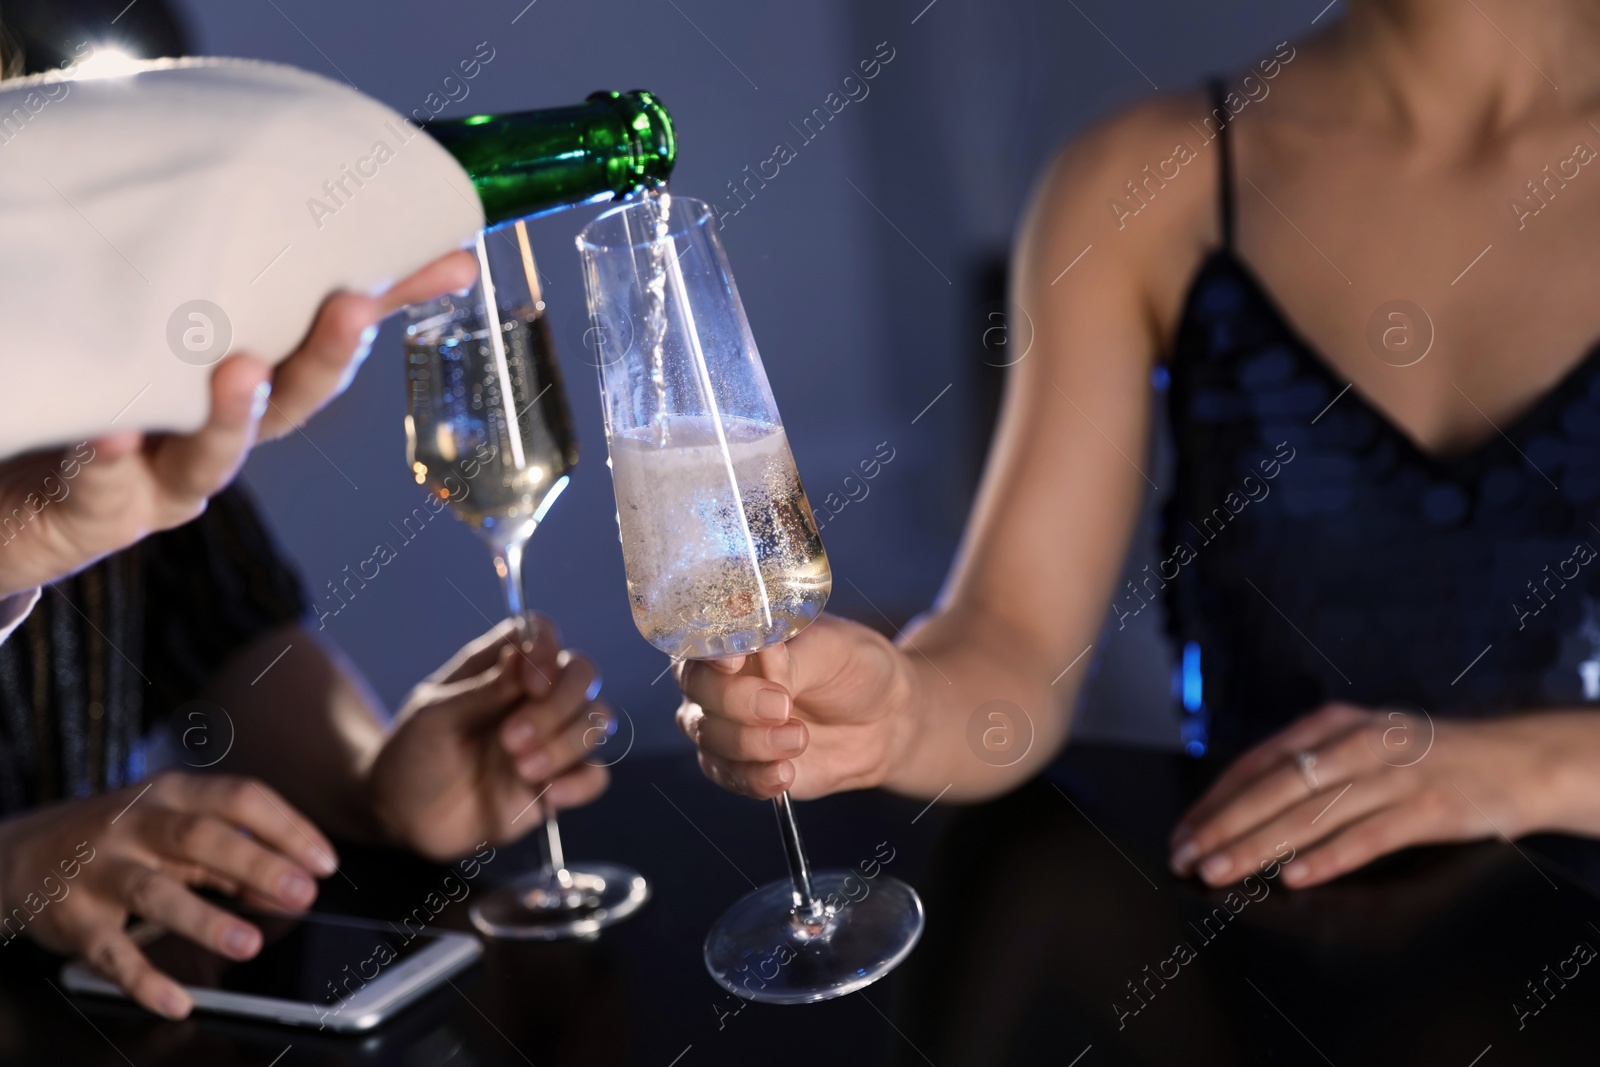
508 564
806 904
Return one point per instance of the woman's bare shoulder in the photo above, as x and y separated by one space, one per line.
1139 190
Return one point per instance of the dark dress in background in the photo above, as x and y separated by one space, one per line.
1313 553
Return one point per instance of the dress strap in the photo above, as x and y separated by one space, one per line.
1219 111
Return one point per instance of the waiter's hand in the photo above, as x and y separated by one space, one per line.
61 510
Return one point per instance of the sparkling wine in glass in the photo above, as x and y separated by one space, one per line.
489 432
723 556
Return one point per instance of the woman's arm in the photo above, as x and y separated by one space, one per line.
1063 487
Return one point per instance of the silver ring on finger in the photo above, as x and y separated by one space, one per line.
1306 762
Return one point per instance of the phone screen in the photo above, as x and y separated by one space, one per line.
317 959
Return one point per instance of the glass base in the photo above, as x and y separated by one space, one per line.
539 908
762 950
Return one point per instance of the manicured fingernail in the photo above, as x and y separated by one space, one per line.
240 941
296 889
727 666
258 401
1184 856
1216 868
770 705
174 1003
535 766
788 738
518 734
1296 873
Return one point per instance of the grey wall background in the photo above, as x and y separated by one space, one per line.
867 268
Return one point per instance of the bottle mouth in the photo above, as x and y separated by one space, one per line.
654 142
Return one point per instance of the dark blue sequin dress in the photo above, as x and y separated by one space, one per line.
1311 552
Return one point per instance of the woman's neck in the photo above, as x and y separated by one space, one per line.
1474 66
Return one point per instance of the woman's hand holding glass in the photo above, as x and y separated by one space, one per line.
820 713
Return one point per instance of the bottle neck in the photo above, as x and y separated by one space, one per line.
531 162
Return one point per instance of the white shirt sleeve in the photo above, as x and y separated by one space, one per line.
14 609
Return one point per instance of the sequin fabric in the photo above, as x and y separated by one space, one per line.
1364 569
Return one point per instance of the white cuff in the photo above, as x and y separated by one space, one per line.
14 609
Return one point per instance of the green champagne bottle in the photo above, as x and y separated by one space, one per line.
532 162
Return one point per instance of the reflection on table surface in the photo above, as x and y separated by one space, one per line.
1054 932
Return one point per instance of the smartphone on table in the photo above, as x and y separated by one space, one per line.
328 972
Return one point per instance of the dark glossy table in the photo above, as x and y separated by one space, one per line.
1052 938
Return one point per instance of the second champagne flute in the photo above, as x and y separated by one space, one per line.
489 432
723 558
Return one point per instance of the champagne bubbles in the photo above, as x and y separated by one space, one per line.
199 332
204 733
720 546
1401 734
603 338
1400 333
999 733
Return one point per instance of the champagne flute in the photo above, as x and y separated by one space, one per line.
723 557
489 432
